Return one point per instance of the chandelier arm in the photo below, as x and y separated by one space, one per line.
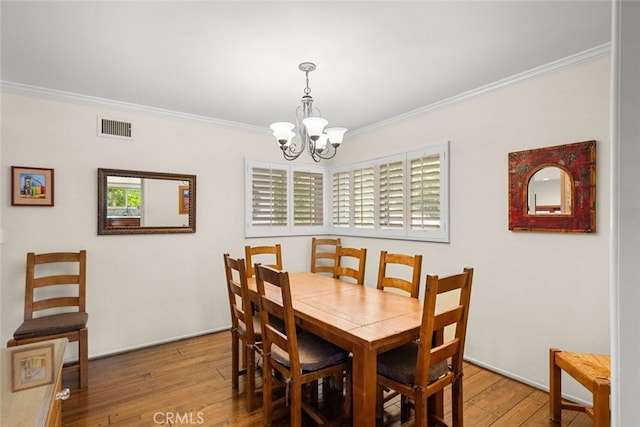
291 155
328 156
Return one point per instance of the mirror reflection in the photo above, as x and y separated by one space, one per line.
549 192
133 202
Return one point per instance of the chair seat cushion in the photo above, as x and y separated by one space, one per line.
257 327
315 353
399 364
51 325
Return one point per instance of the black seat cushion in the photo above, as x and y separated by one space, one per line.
257 327
315 353
51 325
399 364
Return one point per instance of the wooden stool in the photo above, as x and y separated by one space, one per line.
593 371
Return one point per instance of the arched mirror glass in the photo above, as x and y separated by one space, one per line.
137 202
549 192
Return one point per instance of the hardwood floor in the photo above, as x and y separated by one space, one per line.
188 382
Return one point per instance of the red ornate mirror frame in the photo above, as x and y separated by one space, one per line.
578 160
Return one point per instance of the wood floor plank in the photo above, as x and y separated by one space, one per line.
188 382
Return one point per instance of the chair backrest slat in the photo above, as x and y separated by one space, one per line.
61 279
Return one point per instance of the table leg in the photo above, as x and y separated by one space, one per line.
364 387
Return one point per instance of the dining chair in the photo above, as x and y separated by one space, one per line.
420 370
246 331
259 254
55 304
293 357
350 262
323 254
396 264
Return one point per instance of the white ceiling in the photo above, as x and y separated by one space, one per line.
238 61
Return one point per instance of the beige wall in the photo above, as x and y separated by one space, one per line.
531 291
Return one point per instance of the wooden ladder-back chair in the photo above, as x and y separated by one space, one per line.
296 358
246 331
323 254
342 267
59 311
397 261
421 370
262 252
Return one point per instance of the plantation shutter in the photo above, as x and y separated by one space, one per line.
391 195
307 198
425 193
268 196
363 196
341 197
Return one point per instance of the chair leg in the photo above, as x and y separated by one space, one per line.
457 403
295 403
251 378
348 394
267 388
235 368
601 412
421 412
555 387
83 357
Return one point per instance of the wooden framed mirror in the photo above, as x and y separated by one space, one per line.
137 202
553 188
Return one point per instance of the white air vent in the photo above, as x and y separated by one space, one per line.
115 128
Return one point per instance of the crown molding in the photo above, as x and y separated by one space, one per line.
552 67
92 101
58 95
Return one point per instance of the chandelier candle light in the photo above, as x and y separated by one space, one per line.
321 143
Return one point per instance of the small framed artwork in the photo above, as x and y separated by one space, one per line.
31 186
31 367
183 199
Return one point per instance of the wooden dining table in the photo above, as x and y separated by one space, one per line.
366 321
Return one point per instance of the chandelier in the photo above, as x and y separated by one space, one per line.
321 143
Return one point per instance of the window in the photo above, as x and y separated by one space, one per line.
391 194
283 199
308 198
363 197
404 196
341 193
124 196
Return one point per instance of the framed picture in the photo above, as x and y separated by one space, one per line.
31 186
183 199
31 367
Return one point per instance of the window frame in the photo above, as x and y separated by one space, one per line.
405 232
289 227
328 227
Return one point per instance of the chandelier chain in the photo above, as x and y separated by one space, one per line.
307 90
